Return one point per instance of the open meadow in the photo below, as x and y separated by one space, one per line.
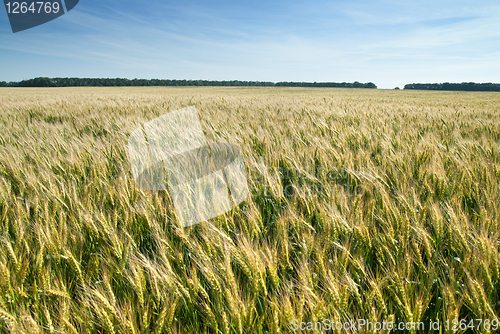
381 205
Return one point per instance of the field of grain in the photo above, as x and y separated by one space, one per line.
365 204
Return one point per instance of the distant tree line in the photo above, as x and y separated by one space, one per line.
464 86
354 84
107 82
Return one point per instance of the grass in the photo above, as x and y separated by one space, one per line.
365 204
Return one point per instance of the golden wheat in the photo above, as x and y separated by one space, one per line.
365 204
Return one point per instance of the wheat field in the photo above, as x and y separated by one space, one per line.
364 204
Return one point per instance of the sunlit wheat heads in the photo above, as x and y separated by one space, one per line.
363 204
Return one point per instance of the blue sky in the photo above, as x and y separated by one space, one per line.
387 42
